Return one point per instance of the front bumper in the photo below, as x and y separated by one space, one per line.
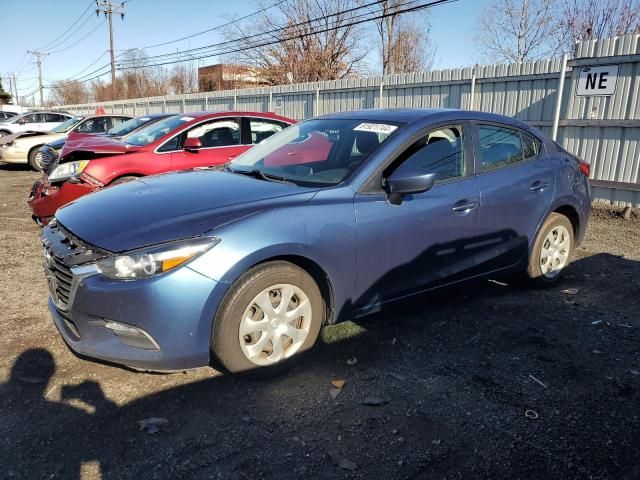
45 198
175 310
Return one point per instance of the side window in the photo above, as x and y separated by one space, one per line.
261 129
33 118
93 125
117 121
439 152
53 118
171 145
530 146
499 147
218 133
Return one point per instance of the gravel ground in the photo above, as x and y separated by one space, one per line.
489 380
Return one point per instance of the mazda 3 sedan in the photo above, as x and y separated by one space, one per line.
324 221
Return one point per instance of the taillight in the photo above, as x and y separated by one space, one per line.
585 168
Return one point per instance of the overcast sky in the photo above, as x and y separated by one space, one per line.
35 24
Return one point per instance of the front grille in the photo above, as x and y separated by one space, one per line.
60 279
62 251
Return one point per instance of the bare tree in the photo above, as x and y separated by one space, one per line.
405 45
183 79
69 92
302 51
518 30
589 19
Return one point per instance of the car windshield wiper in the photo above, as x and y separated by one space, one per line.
260 175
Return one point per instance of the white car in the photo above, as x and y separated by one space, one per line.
33 122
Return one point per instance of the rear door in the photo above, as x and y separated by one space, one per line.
52 120
516 181
220 139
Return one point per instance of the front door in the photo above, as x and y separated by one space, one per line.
220 139
423 241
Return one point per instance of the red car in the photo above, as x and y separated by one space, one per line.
178 142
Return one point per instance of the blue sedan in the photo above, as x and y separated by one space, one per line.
324 221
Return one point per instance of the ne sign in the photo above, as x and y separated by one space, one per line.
597 80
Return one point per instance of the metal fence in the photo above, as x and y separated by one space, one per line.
602 127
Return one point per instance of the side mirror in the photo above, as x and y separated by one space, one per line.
192 144
408 180
22 121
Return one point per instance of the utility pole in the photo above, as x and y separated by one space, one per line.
109 8
15 88
38 56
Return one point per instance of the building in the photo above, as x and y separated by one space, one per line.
226 76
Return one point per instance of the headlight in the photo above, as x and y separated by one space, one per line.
67 170
151 261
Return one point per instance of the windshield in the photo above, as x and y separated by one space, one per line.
15 118
67 125
320 152
153 132
128 126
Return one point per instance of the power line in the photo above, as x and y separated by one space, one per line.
275 30
82 39
49 45
295 36
218 27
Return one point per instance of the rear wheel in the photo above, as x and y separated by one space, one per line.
271 314
4 133
35 159
551 251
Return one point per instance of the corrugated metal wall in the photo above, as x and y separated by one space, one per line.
602 130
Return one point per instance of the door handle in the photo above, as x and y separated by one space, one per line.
538 186
464 206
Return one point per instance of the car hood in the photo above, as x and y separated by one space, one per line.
95 146
15 136
172 206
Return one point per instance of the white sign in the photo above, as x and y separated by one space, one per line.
375 128
597 80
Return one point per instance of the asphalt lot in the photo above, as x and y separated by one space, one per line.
490 380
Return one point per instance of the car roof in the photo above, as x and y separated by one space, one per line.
411 115
226 113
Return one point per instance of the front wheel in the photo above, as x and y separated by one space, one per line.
551 251
271 314
35 160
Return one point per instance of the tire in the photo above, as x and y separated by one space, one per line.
258 348
126 179
34 163
4 133
548 261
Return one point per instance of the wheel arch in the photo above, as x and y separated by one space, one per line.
35 147
123 175
572 214
318 274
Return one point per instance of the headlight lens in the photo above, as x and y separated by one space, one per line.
67 170
151 261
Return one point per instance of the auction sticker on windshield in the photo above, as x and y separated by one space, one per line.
375 128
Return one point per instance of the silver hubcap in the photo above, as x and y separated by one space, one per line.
275 324
39 160
555 251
